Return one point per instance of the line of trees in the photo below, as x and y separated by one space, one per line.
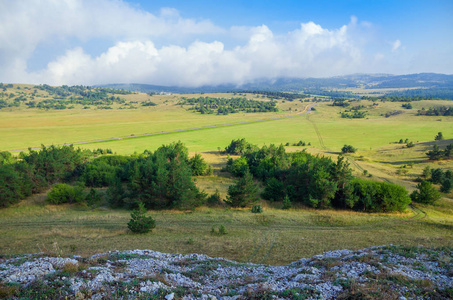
280 95
223 106
315 181
35 171
160 179
436 111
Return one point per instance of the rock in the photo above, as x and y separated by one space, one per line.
170 296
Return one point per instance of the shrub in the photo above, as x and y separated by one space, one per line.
198 165
257 209
214 199
222 230
64 193
287 202
426 193
348 149
140 223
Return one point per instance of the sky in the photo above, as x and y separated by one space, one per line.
211 42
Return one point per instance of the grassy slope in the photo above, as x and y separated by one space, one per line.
275 237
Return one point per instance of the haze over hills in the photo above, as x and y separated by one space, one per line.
423 84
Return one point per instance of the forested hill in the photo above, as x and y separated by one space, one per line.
423 84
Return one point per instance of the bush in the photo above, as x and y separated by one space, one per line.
287 202
64 193
222 230
140 223
426 193
348 149
198 165
257 209
214 199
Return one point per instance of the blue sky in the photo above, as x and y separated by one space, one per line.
193 43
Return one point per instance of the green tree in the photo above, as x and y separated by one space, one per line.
198 165
427 172
439 136
243 193
348 149
139 223
426 193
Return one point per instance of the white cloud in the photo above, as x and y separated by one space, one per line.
396 45
308 51
147 48
24 25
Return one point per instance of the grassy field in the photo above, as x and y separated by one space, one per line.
276 236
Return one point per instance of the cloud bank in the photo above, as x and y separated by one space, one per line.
166 49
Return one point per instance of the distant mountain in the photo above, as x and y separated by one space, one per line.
430 84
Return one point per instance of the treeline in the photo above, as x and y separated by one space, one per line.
314 181
84 91
160 179
330 93
397 98
223 106
35 171
64 97
280 95
436 111
433 93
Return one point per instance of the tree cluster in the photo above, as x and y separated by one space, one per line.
438 154
318 181
160 179
436 111
223 106
35 171
280 95
438 176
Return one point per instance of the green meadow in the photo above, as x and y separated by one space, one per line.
276 236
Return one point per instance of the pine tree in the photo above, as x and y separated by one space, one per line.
243 193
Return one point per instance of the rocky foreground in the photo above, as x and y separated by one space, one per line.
385 272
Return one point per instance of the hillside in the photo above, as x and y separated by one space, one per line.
428 84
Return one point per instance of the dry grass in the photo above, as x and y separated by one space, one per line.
274 237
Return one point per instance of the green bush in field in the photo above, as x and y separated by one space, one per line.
257 209
287 202
64 193
140 223
348 149
198 165
222 230
426 193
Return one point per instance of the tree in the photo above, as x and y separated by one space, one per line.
198 165
439 136
348 149
447 185
243 193
427 172
426 193
139 223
